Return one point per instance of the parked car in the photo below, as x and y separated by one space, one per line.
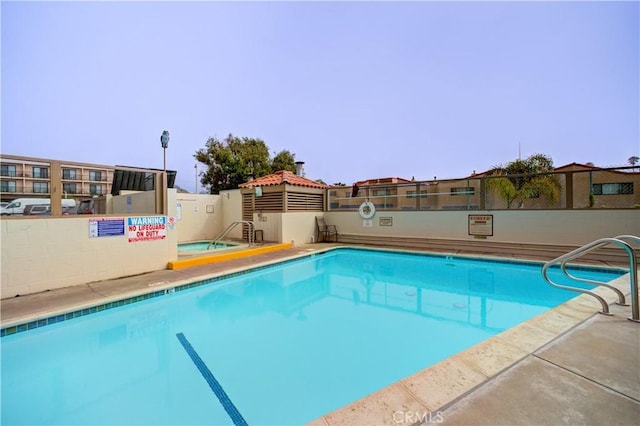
87 207
17 206
34 209
70 210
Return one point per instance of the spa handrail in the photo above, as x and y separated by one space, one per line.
229 228
633 272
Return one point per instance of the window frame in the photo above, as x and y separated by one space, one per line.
38 185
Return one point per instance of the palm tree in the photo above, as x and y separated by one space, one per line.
523 179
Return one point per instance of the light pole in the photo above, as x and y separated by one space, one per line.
164 141
196 168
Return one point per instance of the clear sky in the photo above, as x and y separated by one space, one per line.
356 90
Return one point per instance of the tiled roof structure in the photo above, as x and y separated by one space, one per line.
382 180
280 177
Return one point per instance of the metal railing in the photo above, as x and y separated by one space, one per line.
229 228
633 273
590 188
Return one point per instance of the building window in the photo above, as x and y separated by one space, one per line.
8 186
69 174
69 188
95 176
625 188
333 193
95 189
7 170
468 190
40 187
41 173
384 192
412 194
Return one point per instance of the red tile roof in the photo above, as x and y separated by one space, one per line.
382 180
280 177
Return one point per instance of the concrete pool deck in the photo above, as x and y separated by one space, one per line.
568 365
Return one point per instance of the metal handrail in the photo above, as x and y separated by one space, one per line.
633 270
229 228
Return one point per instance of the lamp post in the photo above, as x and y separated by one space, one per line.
164 141
196 168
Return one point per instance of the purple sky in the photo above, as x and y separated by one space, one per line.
356 90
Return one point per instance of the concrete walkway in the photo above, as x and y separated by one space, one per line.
556 374
588 376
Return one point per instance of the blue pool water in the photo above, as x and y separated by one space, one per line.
280 345
202 246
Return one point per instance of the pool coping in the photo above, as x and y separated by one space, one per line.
429 390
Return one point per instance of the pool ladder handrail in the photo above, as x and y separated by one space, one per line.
229 228
633 272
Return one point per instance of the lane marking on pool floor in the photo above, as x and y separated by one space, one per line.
215 386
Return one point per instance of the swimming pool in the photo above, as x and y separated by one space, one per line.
280 345
197 246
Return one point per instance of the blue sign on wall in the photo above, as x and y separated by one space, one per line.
106 227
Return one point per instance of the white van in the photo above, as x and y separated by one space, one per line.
16 207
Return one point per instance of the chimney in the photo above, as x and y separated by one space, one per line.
299 168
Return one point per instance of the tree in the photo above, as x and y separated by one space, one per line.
524 179
232 161
633 161
284 160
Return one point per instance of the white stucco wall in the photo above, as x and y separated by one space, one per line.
271 226
300 227
231 211
43 253
198 216
575 227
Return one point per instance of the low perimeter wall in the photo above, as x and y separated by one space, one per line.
44 253
533 233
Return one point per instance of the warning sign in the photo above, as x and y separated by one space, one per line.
146 228
481 224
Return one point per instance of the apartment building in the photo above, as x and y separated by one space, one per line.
28 177
38 177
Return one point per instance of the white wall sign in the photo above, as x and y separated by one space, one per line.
481 224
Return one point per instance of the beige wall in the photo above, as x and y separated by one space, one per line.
231 211
300 227
270 224
199 216
43 253
575 227
133 202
